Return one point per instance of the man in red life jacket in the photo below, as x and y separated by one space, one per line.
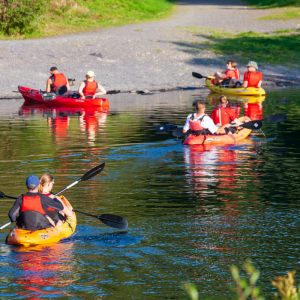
225 76
200 123
252 78
58 83
89 87
32 207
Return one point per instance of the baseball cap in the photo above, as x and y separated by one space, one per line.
91 74
252 64
32 182
53 69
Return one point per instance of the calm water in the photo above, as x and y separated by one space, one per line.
192 211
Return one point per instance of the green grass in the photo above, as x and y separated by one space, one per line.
273 3
70 16
293 13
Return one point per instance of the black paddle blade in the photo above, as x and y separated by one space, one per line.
93 172
2 195
162 128
253 125
276 118
113 92
197 75
179 133
113 221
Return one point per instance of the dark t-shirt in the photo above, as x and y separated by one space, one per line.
45 201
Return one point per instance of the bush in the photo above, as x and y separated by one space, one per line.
20 16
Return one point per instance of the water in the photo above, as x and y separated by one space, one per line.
192 211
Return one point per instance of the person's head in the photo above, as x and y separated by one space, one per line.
200 106
32 183
252 66
53 70
46 183
231 64
223 100
90 75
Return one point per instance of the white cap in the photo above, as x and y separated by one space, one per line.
91 74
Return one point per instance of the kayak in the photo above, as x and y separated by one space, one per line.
23 237
216 139
249 91
37 96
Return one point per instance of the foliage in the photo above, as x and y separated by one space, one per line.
292 13
273 3
20 16
244 288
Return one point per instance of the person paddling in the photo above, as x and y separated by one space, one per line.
32 207
252 78
225 76
45 187
200 123
89 87
58 83
224 115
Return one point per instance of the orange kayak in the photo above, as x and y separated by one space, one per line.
217 139
23 237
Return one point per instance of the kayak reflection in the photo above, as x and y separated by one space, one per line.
90 119
45 270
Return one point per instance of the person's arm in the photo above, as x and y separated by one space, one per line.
48 87
221 130
15 209
68 85
186 126
101 89
49 202
80 90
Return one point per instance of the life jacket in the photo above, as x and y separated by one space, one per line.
57 80
196 127
50 208
253 78
53 213
233 73
222 115
90 88
32 203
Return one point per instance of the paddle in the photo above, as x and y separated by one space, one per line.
253 125
197 75
276 118
162 128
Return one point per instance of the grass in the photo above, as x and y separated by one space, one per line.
279 47
72 16
292 13
273 3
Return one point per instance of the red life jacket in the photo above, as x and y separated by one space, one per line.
32 203
233 73
49 208
57 80
253 78
195 125
90 88
222 115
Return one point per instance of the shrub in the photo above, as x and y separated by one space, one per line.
20 16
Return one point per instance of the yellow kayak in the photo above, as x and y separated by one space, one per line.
23 237
250 91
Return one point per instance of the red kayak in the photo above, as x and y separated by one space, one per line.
51 99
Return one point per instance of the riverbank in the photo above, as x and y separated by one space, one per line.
152 56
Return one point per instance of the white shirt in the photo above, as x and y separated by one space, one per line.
206 123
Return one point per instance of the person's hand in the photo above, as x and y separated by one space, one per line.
228 125
51 196
82 97
94 96
218 124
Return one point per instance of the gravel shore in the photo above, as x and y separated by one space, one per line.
153 56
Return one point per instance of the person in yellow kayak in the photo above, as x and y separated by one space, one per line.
58 83
32 207
201 124
225 76
45 188
89 87
252 78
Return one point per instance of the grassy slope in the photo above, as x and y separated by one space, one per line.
273 3
70 16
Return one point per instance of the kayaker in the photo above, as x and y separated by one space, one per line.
45 188
224 115
252 78
89 87
58 83
32 207
225 76
201 124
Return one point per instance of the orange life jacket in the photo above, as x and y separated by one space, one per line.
32 203
90 88
253 78
57 80
233 73
49 208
